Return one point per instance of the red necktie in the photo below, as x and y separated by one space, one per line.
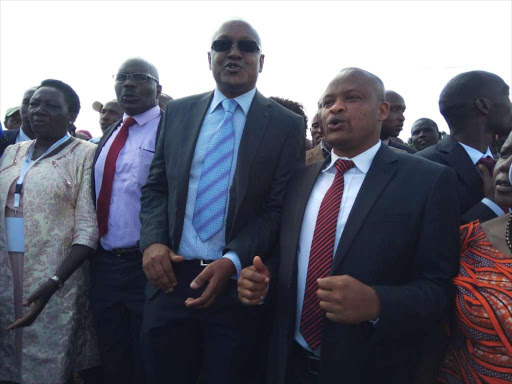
321 255
103 205
488 162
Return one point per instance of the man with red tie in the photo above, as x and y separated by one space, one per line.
476 106
121 168
368 246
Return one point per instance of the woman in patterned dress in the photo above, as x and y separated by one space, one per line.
480 349
47 230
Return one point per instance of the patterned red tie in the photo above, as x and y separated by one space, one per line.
321 255
103 205
488 162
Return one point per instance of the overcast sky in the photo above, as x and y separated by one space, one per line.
415 47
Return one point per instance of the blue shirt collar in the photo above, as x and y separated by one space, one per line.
244 101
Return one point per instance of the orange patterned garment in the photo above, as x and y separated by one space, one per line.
481 347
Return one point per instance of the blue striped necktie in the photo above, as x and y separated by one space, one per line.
213 190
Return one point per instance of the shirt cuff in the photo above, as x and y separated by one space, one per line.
495 207
231 255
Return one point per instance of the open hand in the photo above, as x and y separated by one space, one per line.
38 300
346 300
217 274
156 263
253 282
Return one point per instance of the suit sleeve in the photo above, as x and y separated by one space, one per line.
427 298
260 234
480 211
153 213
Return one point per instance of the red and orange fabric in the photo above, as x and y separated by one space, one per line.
480 350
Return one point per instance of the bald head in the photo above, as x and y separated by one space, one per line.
458 102
361 75
394 97
238 22
140 63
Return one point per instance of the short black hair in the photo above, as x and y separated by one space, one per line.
70 96
425 120
293 106
457 99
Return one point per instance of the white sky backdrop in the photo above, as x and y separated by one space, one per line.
415 46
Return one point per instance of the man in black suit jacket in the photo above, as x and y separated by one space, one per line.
190 330
476 106
24 132
394 123
388 281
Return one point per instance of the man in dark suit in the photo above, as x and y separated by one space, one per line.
121 167
24 132
393 124
476 106
368 246
213 199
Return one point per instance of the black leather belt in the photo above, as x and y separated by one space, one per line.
132 253
312 362
198 262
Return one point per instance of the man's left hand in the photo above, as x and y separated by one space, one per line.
346 300
217 274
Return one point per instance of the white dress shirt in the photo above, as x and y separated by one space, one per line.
354 178
476 155
132 169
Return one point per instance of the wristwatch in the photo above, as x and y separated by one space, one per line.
59 282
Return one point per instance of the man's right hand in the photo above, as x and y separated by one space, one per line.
253 283
156 263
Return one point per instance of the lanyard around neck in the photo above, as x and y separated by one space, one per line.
27 165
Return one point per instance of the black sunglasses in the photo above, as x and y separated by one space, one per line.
246 46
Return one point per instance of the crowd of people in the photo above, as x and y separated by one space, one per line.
207 240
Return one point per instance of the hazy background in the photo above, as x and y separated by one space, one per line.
414 46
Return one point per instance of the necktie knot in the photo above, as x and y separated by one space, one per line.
344 165
129 122
488 162
229 105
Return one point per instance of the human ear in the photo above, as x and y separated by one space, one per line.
483 105
383 111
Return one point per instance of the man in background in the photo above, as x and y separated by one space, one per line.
393 125
424 133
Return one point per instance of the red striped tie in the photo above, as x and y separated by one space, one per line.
321 255
103 205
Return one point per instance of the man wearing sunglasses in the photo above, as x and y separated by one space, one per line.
212 201
121 167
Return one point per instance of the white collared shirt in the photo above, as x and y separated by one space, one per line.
354 178
475 155
131 173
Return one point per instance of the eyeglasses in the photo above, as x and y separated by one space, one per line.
137 77
246 46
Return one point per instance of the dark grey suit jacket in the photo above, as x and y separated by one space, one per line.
401 146
271 148
401 238
469 184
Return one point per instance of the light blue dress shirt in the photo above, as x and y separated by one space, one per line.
191 246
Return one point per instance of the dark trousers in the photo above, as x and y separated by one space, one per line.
182 345
117 297
303 366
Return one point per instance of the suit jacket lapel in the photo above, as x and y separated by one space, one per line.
458 159
381 172
188 136
256 125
